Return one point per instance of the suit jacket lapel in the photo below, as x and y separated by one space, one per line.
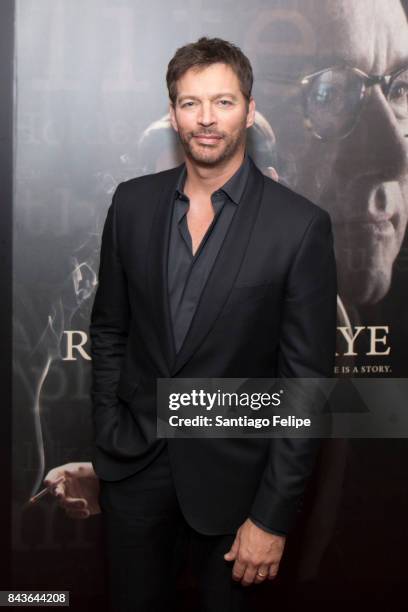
225 268
157 268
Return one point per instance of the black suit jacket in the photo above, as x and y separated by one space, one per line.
267 310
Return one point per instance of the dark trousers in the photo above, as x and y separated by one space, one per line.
148 544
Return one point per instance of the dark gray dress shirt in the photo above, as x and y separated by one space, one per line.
187 273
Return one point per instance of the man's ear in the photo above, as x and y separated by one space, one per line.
172 115
251 113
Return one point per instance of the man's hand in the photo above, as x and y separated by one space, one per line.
78 492
256 553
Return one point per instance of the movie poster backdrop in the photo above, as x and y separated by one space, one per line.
91 111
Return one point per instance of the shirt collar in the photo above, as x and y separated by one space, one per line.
233 188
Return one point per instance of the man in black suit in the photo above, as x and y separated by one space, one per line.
207 270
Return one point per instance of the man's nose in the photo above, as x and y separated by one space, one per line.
206 115
378 145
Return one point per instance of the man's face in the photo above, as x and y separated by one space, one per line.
361 180
211 115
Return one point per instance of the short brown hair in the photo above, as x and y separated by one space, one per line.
204 52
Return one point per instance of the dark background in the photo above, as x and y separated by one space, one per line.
6 183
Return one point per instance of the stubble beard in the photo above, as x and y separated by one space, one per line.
206 155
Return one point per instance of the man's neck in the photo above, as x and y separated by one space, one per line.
204 181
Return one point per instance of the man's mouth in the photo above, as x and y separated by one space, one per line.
382 229
379 226
207 138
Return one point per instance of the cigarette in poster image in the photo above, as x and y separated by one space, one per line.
35 498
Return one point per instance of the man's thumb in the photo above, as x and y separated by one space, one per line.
232 553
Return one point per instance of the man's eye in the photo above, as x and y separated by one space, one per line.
189 103
398 97
399 91
225 102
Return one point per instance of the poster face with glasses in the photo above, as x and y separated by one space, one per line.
331 89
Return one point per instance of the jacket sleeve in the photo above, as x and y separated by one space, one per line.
306 350
109 325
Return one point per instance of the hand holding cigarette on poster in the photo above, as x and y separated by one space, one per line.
76 487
